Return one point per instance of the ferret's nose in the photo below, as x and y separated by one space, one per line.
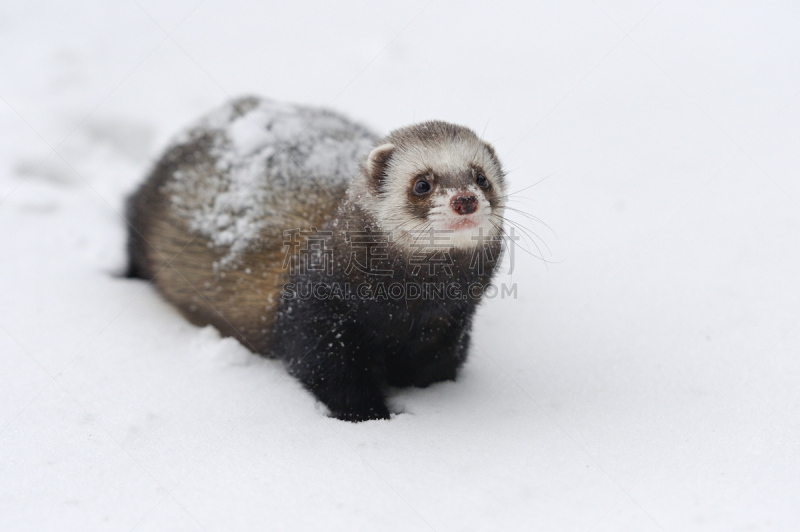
464 203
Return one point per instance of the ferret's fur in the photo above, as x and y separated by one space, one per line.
212 225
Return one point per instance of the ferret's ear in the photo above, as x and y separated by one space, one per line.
377 163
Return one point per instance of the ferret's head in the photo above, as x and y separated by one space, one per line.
434 176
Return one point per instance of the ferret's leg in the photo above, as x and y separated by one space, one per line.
423 364
332 362
347 386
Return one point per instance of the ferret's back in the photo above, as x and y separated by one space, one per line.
207 225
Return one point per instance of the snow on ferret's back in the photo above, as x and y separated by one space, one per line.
259 146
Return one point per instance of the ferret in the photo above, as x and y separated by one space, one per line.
357 260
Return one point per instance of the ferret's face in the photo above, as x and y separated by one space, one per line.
451 188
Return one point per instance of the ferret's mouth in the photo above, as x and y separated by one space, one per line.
463 223
464 231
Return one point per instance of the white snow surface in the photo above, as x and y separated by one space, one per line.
646 377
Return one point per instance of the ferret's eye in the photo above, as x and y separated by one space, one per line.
481 180
422 187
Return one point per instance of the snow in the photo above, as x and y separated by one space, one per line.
323 147
646 377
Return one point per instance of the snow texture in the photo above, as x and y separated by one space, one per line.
645 378
265 153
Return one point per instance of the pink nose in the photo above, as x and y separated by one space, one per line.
464 203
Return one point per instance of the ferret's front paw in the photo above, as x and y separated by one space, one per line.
364 413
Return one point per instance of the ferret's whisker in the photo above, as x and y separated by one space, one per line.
529 186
